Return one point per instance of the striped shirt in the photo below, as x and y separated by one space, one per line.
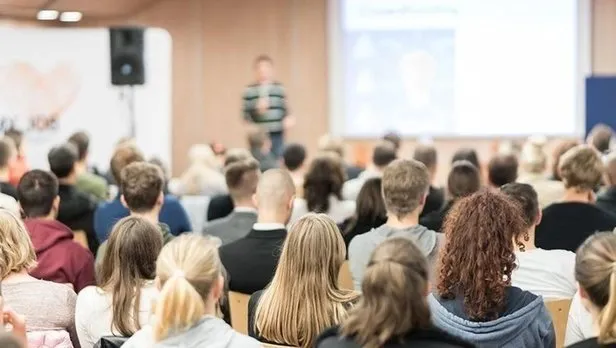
271 120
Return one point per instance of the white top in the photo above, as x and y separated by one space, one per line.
548 273
338 210
93 313
579 324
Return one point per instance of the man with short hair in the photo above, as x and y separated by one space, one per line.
251 261
76 208
600 137
606 199
294 160
427 155
383 154
242 178
86 181
260 148
7 154
60 258
395 139
502 170
405 185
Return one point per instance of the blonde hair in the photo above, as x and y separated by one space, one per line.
533 158
303 298
595 270
203 167
16 249
581 168
187 269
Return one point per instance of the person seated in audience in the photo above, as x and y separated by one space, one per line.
533 164
222 205
600 138
329 143
48 306
547 273
559 151
580 323
383 154
467 154
294 160
565 225
463 180
164 171
260 147
395 140
189 276
251 261
7 154
87 182
76 207
595 273
370 211
107 214
393 311
475 300
405 187
242 178
18 166
323 190
60 258
502 169
606 199
426 154
121 305
303 298
203 176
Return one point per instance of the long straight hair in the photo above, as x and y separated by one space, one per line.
129 262
303 298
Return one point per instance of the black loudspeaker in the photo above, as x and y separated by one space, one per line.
127 65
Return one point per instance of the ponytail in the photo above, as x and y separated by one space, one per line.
607 317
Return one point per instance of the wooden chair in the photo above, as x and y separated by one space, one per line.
345 279
81 238
559 311
238 305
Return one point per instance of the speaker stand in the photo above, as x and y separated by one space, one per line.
127 95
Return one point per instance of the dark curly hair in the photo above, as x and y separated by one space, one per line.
324 178
478 257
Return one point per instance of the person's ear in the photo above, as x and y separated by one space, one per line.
255 200
123 201
161 199
56 203
291 202
218 288
427 289
157 283
539 217
423 199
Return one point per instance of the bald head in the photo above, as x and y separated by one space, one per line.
275 193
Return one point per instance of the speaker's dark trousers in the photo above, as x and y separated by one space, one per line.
277 139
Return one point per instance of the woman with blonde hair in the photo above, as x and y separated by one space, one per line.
122 303
393 310
189 276
47 306
534 163
203 177
303 298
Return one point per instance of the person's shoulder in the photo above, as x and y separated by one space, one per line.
361 241
171 199
90 294
141 338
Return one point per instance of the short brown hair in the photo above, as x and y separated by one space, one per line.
559 151
141 185
600 137
242 177
502 170
426 154
405 184
463 180
257 138
6 151
581 168
383 154
82 142
122 157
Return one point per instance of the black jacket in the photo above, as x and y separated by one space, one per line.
434 220
77 212
219 207
606 200
434 201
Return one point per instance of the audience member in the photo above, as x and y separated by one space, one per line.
565 225
203 176
251 261
502 169
382 155
107 214
467 154
395 140
46 305
405 187
164 171
19 165
7 155
426 154
559 151
329 143
594 271
580 324
222 205
323 190
121 305
600 137
474 300
606 199
393 311
294 160
261 149
76 208
189 276
87 182
464 179
370 211
533 163
303 298
242 178
543 272
60 259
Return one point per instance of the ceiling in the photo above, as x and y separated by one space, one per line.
91 9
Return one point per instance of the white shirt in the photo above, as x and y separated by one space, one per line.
548 273
338 210
93 313
580 322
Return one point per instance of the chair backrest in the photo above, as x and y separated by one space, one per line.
269 345
238 305
345 279
559 311
49 339
81 238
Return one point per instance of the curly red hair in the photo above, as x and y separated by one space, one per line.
478 256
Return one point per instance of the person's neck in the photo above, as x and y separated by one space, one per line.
69 180
151 216
573 195
271 217
17 277
243 203
49 217
528 245
404 222
4 174
81 167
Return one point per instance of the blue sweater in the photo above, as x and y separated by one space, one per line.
108 213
